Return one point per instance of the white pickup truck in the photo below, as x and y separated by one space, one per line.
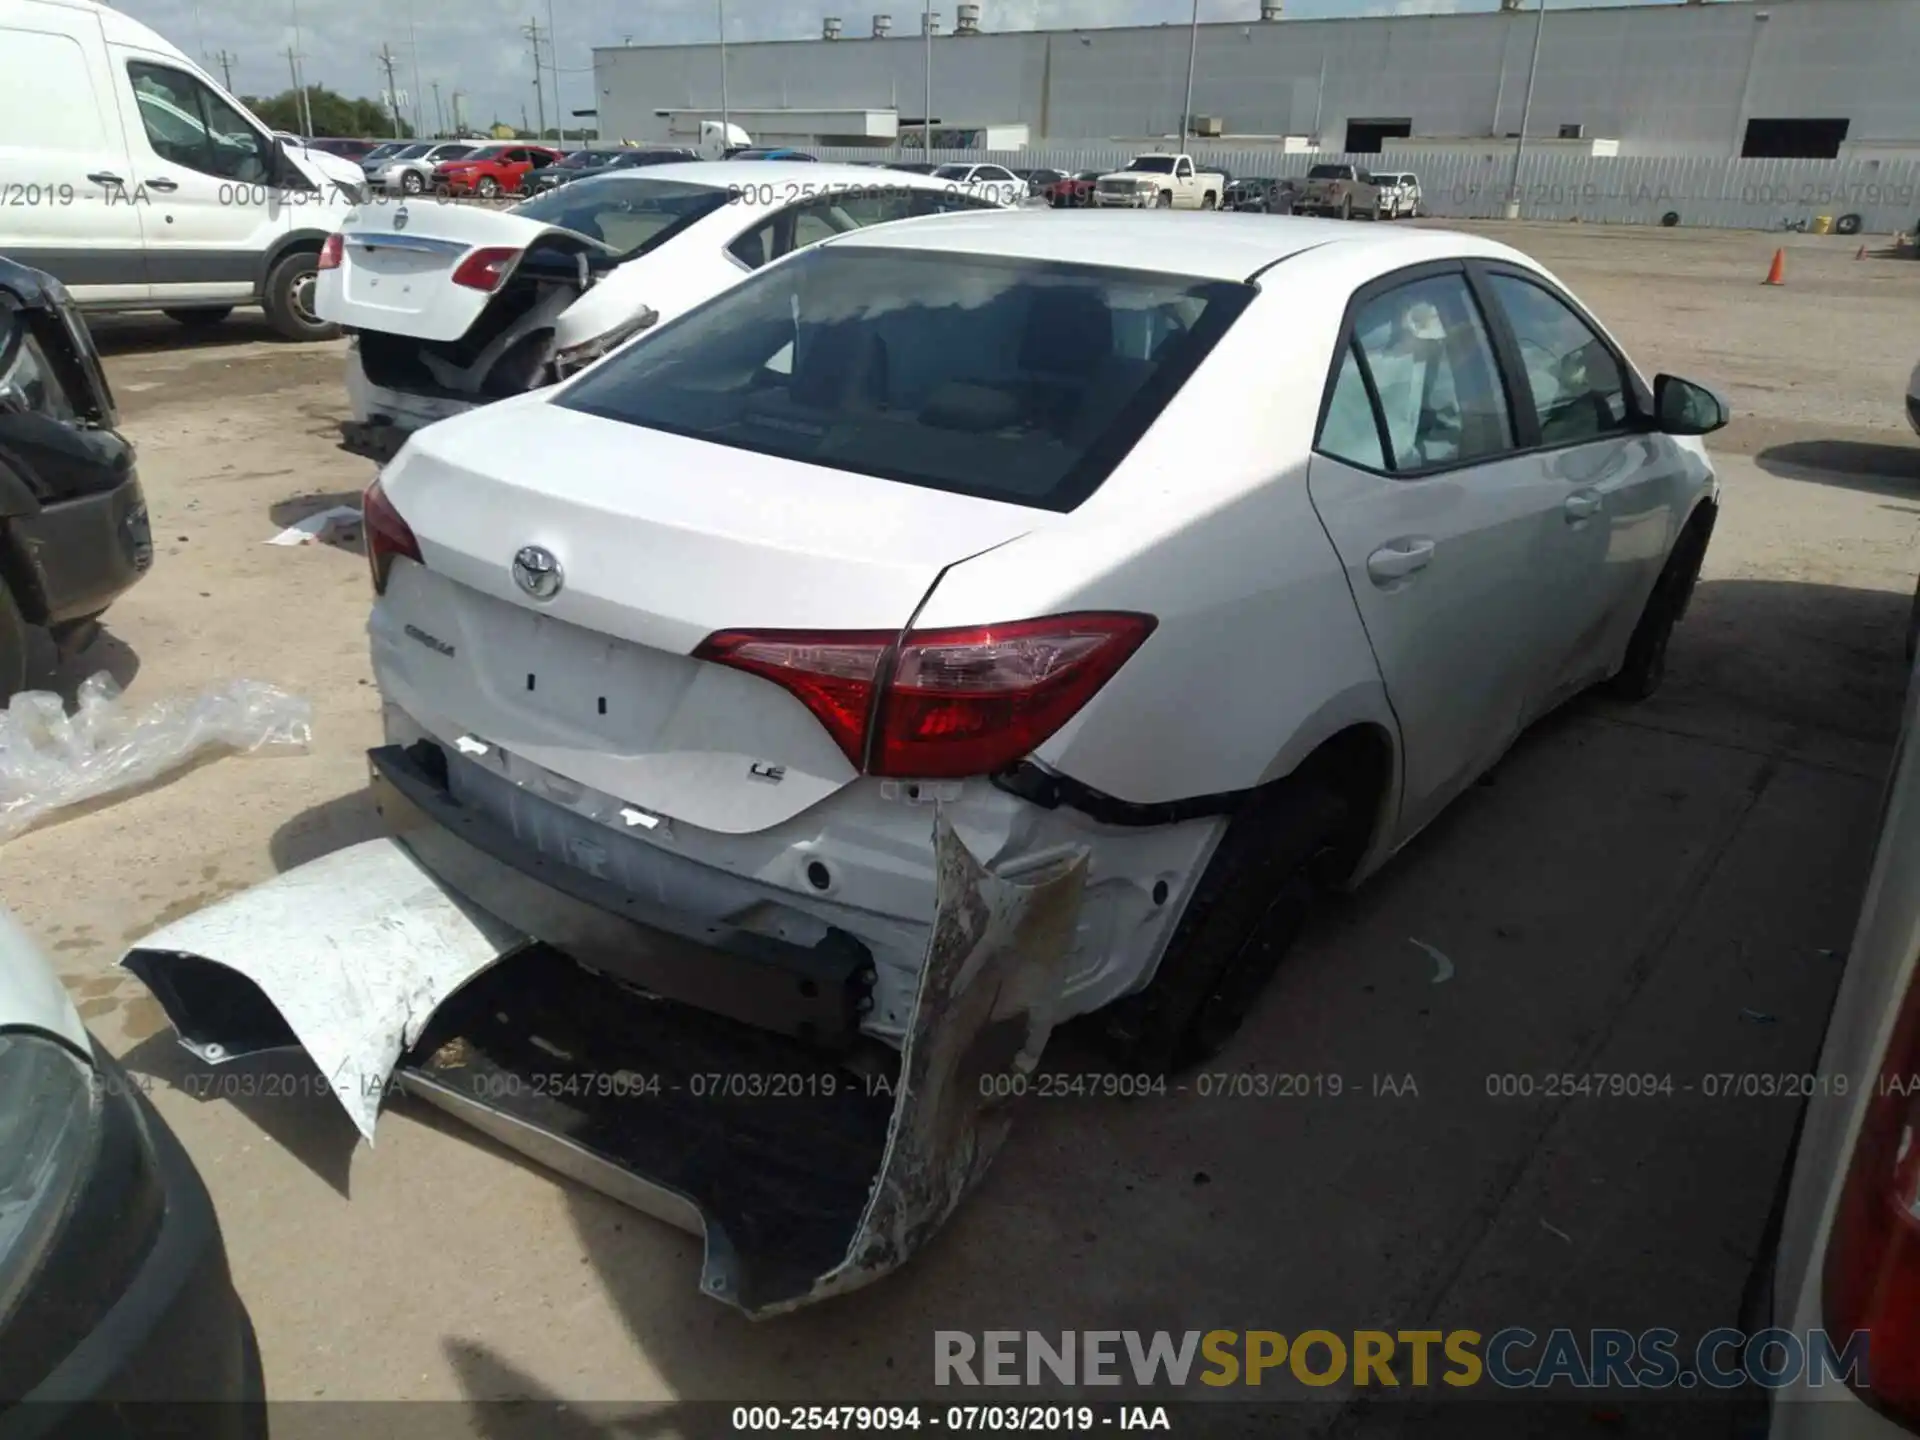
1169 182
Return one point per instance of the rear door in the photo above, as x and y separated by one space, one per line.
1449 535
64 203
1622 485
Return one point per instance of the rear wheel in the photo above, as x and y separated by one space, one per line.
1249 906
288 300
488 187
1209 201
200 319
13 645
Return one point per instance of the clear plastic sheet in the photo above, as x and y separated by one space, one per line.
50 760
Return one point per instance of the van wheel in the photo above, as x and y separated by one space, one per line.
1249 906
13 646
199 319
289 299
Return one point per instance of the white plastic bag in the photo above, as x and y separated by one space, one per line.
50 759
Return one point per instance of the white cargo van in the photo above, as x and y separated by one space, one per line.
133 177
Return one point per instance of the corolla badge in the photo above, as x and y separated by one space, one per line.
537 571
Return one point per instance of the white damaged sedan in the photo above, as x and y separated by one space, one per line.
953 628
452 306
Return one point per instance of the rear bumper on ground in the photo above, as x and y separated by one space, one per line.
77 556
175 1355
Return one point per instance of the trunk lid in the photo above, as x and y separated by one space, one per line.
661 541
396 268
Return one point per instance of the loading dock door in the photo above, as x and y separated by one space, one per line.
1364 136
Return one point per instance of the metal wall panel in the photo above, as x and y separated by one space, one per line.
1628 190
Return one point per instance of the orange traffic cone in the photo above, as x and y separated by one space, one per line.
1777 272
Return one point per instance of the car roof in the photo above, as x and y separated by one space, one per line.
1213 246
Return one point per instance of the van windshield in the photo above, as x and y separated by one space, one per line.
1020 381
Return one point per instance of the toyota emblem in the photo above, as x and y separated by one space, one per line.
537 571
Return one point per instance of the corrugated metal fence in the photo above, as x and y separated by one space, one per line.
1633 190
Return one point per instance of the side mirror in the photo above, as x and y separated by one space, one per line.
1681 407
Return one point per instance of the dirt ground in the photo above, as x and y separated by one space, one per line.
1667 889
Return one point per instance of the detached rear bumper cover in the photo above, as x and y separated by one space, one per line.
352 955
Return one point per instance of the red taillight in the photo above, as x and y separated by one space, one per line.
388 536
952 702
331 250
1871 1277
486 268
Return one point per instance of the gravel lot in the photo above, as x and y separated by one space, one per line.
1664 889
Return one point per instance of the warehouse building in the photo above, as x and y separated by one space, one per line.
1726 78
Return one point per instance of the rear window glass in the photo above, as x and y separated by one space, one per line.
632 213
1009 380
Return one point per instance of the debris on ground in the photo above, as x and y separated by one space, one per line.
320 527
50 760
1442 966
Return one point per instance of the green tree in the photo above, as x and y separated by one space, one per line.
333 114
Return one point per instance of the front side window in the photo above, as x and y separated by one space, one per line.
632 213
1017 381
953 172
1185 169
1577 387
1433 373
188 124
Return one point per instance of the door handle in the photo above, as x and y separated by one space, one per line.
105 177
1583 505
1398 560
163 184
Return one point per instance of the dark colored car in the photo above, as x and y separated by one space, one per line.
1041 181
912 167
73 522
1072 192
768 152
351 149
118 1315
1256 193
582 163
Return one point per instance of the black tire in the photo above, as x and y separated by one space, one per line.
1670 219
488 187
1913 627
1645 665
1164 201
288 300
13 646
1249 906
1209 201
1848 224
199 319
412 182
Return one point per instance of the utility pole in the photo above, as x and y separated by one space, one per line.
439 115
1526 114
726 118
926 118
459 120
393 96
1193 50
553 64
418 97
225 62
532 32
294 56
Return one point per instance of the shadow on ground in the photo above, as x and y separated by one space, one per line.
150 331
1870 465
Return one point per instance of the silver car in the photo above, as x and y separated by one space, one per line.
410 171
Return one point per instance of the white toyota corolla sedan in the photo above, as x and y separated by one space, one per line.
1219 550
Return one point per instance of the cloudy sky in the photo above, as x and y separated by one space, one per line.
475 46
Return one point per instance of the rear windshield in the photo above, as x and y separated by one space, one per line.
631 212
1329 172
1011 380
